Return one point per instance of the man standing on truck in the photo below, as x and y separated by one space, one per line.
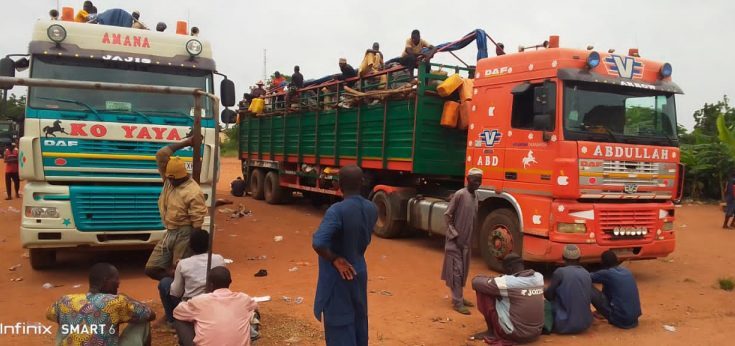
341 241
182 208
460 218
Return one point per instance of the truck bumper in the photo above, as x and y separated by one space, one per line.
71 238
537 249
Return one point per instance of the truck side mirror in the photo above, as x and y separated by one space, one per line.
227 92
7 69
22 64
543 122
228 116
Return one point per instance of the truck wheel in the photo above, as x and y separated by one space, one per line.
257 184
387 225
500 235
42 258
274 192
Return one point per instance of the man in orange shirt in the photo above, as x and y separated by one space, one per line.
278 82
11 170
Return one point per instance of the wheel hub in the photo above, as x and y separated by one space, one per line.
500 242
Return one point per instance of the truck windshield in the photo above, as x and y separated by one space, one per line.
607 113
117 101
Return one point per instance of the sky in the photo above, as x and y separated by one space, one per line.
691 35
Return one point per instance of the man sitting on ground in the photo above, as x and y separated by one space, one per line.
100 312
618 302
569 293
513 304
190 278
221 317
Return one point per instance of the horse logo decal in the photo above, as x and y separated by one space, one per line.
529 159
50 130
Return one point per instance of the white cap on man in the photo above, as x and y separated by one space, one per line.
474 171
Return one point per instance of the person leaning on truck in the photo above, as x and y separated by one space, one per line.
460 218
182 209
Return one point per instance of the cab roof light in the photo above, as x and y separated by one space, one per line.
194 47
593 60
553 41
666 70
56 33
634 52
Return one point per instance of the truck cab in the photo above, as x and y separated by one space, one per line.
577 147
88 155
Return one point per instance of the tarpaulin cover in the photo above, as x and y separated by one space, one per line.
115 17
478 35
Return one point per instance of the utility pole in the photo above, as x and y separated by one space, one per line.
265 70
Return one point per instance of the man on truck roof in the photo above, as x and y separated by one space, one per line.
460 218
413 53
182 208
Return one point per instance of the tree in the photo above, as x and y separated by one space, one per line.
15 108
706 118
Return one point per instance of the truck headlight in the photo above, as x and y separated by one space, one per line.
563 227
42 212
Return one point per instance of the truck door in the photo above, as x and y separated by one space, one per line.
531 139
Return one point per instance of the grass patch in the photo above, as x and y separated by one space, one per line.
726 284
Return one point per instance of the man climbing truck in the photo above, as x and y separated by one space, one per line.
576 146
88 155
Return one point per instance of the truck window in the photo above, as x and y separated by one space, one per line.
522 114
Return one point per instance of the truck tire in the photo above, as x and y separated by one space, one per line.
42 258
387 226
500 235
257 184
274 192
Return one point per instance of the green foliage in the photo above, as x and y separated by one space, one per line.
709 150
230 144
15 108
726 284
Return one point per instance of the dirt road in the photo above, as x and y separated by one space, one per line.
407 301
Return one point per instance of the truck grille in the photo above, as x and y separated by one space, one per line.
115 208
630 167
636 218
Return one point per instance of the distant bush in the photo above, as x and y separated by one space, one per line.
726 284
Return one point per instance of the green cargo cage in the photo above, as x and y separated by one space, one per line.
405 130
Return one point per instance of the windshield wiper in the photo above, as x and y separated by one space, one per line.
146 117
78 103
182 114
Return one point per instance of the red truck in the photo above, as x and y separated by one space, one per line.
577 147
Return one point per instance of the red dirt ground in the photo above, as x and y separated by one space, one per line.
408 302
